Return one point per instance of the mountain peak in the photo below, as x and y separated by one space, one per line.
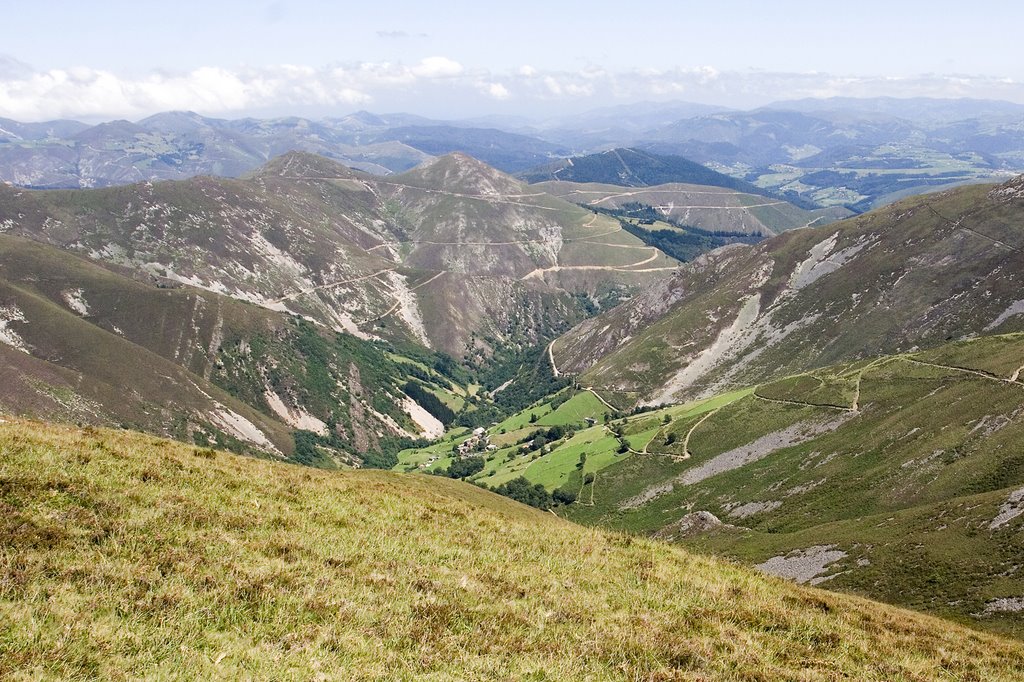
305 165
175 122
461 172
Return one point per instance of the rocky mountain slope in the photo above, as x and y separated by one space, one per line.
454 255
915 274
122 552
84 344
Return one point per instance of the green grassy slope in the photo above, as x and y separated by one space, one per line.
124 556
909 466
715 209
916 274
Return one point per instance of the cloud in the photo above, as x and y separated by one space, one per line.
497 91
28 94
552 85
437 67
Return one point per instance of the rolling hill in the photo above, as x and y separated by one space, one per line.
123 553
913 275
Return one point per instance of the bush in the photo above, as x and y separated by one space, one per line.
464 468
521 490
564 495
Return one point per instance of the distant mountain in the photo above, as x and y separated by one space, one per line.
634 116
181 144
614 126
177 145
764 136
11 131
857 153
921 110
509 152
916 274
835 152
634 168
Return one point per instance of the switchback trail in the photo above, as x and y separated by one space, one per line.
984 375
398 305
686 440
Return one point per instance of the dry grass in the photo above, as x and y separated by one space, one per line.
125 556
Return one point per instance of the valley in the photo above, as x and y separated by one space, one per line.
829 398
529 342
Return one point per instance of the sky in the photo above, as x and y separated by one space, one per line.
112 59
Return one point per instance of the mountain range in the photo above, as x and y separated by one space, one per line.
860 153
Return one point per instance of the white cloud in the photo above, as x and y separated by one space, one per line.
498 91
437 67
553 86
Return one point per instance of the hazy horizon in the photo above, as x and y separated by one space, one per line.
309 58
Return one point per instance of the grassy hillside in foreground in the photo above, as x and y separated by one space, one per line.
123 554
